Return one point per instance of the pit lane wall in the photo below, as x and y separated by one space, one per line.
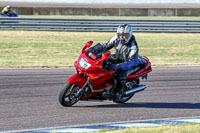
89 8
107 11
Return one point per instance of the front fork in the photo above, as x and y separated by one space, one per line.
82 89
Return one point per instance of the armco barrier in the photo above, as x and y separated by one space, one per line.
100 25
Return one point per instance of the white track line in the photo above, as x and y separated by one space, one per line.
111 125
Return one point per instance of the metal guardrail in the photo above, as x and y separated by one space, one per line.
100 25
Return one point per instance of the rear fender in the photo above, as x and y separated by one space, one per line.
77 79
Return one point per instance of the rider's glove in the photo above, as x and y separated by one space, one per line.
115 67
101 48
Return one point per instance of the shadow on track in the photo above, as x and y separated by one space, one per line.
148 105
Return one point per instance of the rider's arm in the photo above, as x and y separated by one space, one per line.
111 43
107 46
5 10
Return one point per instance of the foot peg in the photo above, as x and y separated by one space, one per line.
144 76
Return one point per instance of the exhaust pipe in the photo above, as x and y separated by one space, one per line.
134 90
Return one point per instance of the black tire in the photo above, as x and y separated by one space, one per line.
123 98
66 95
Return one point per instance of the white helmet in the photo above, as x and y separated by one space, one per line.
8 6
126 30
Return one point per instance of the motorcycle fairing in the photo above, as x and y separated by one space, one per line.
77 79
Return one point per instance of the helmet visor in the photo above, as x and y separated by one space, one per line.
123 36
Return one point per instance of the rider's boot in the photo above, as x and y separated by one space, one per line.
105 94
120 91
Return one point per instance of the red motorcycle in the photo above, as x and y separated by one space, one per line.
94 81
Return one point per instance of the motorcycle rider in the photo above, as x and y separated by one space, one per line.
126 59
7 11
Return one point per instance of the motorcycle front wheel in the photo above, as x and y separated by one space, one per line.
67 95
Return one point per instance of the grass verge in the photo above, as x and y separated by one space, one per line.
61 49
181 128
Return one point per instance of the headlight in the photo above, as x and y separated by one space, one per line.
83 64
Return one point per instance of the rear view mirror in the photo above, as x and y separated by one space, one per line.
106 56
87 44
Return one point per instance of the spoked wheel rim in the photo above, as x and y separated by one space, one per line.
121 98
70 98
125 98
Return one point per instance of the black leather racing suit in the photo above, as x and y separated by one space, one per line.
126 55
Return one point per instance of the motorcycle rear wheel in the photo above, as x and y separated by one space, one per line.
123 98
67 95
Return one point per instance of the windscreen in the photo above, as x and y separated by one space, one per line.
95 52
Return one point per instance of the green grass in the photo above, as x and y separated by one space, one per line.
61 49
182 128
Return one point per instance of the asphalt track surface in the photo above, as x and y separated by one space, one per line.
29 99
